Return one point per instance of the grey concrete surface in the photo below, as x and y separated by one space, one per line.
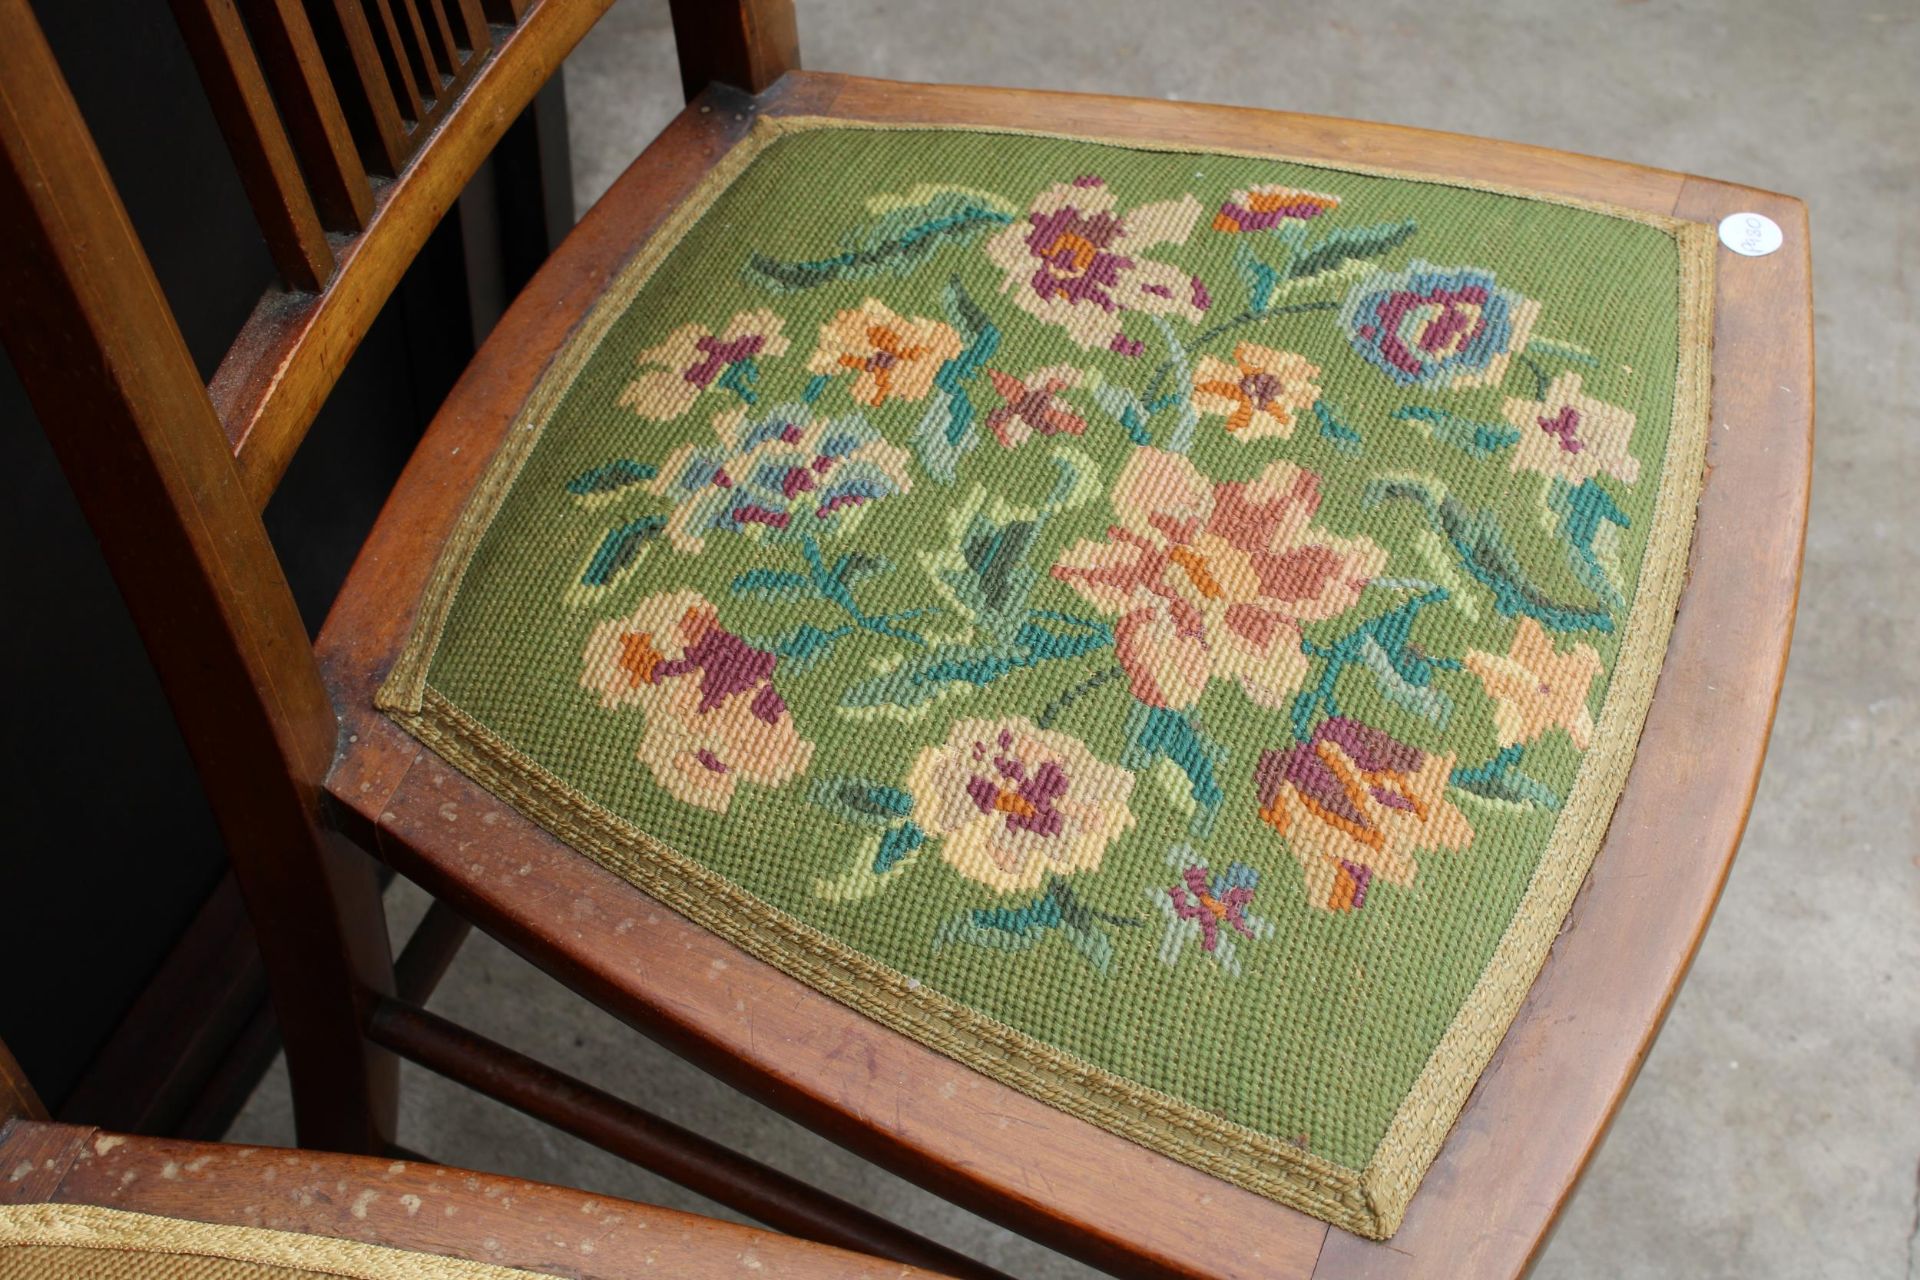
1776 1128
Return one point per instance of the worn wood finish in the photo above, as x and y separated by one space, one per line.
698 1163
1540 1109
113 384
292 350
289 55
261 151
747 44
405 1205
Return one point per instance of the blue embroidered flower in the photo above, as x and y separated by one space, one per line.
1431 326
778 474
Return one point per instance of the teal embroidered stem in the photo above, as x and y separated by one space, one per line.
834 591
1390 635
1540 379
1563 351
1228 326
1181 439
1058 707
1497 767
739 379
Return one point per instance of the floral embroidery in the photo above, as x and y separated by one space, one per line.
1535 688
778 474
1215 579
1208 908
1570 435
712 715
893 357
1076 261
1451 327
1260 392
1355 804
1015 803
691 360
1032 404
1265 207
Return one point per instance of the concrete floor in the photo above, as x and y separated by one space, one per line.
1776 1128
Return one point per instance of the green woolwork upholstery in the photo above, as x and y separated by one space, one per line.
1165 628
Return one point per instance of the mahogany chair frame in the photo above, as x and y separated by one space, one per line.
307 778
400 1204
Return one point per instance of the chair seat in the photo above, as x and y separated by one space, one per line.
1151 622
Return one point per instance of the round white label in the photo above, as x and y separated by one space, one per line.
1753 234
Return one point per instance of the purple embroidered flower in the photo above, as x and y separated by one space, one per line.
712 714
1264 207
1569 434
1208 907
692 360
1431 326
1015 804
1076 261
1354 803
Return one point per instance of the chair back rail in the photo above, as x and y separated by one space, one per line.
320 102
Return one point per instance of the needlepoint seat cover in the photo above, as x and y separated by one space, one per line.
1166 628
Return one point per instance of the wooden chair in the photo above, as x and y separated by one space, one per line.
410 1205
350 159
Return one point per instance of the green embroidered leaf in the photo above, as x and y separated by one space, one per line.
1514 788
1018 928
945 432
1422 700
1153 732
882 858
1486 554
894 244
856 566
1259 277
1476 439
1345 243
861 801
620 549
1591 522
615 477
804 647
1344 437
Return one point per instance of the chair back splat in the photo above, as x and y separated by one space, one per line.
354 125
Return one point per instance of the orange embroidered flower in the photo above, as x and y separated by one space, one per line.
1033 404
1535 688
1016 804
1260 392
1264 207
712 715
893 357
1214 580
1571 435
1355 803
691 360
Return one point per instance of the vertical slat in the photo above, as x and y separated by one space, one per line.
393 57
474 24
18 1101
110 378
446 50
376 110
745 43
290 56
231 76
413 42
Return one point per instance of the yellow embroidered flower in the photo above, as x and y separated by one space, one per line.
1260 392
1354 803
712 714
1075 261
691 360
1571 435
1535 688
894 357
1015 804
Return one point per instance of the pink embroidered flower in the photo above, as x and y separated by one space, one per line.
1214 580
1264 207
1076 262
1015 804
1260 392
1355 803
1032 404
1571 435
712 714
893 357
691 360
